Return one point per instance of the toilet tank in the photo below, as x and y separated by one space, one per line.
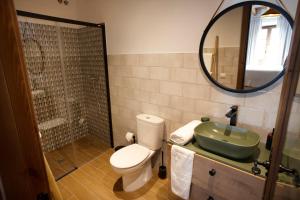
150 130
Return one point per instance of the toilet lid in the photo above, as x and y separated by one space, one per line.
129 156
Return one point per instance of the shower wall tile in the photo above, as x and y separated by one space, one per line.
93 71
66 65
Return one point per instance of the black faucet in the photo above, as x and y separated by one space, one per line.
232 114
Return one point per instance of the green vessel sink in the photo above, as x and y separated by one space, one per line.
229 141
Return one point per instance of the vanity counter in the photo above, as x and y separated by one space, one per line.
231 178
262 154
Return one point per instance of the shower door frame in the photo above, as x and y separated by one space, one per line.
89 24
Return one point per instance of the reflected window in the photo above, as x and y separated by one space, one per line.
269 39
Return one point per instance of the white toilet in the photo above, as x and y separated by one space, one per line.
133 162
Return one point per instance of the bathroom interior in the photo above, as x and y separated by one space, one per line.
162 99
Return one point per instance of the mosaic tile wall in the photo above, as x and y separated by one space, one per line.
67 77
93 70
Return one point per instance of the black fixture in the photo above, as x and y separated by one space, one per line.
212 172
255 169
210 198
162 173
282 169
232 114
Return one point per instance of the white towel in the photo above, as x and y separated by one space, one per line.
208 60
181 171
184 134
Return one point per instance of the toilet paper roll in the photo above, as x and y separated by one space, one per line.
129 136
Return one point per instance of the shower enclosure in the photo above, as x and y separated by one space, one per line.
67 70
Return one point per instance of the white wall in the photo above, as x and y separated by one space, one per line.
50 7
140 26
143 26
228 28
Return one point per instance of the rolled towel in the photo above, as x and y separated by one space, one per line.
184 134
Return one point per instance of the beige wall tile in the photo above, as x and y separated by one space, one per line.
182 103
184 75
171 88
196 91
269 120
263 100
149 60
159 73
141 95
296 105
121 71
170 114
159 99
145 87
190 116
226 97
130 104
115 81
191 60
126 92
114 109
212 109
294 125
149 85
114 60
140 72
130 60
113 90
150 109
251 116
202 79
171 60
124 112
131 82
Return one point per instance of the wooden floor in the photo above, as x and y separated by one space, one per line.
71 156
97 180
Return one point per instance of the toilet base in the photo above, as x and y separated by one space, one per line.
137 179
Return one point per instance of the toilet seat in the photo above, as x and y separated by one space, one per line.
129 156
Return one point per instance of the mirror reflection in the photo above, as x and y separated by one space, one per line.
246 47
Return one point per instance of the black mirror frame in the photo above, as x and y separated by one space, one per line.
211 23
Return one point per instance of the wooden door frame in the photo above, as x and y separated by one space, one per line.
243 47
288 92
18 123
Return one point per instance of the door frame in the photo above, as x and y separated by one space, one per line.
22 169
288 92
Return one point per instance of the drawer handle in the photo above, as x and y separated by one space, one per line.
212 172
210 198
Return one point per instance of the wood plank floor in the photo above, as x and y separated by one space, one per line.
97 180
76 154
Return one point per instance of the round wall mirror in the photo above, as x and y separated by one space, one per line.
244 48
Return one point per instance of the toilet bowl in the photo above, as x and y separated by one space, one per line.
133 162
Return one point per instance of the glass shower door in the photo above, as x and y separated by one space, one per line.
46 77
68 78
289 178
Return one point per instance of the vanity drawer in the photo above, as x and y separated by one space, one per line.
198 193
221 181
